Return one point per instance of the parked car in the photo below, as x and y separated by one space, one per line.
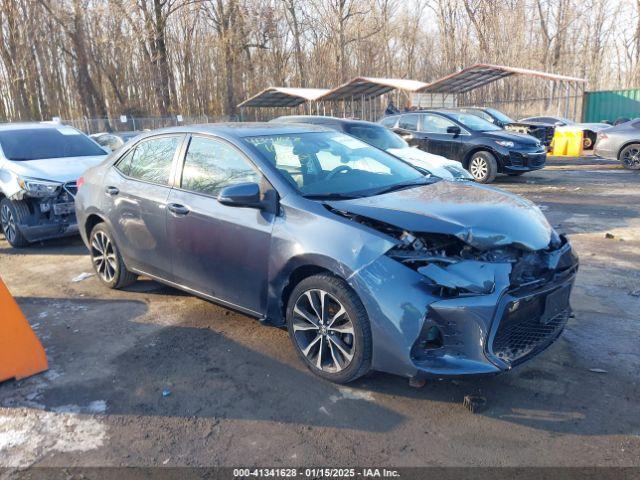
370 264
39 165
113 140
590 129
386 140
542 132
621 142
480 146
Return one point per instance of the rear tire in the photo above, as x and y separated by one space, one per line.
483 166
106 259
630 156
329 328
12 214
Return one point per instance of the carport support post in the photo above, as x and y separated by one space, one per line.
567 99
575 101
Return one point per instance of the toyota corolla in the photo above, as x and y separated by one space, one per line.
368 263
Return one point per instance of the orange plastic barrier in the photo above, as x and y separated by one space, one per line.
21 353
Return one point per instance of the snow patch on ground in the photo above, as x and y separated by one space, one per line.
99 406
352 394
26 438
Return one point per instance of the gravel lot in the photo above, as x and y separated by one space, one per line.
238 396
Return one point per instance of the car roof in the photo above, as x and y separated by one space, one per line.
463 108
31 125
441 111
237 130
306 119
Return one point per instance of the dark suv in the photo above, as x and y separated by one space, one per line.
541 131
482 147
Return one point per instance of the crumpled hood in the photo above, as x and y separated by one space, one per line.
61 170
483 217
521 138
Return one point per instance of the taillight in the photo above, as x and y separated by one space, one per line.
80 182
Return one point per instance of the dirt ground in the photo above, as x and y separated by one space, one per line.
235 393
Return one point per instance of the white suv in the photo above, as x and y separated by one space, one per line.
39 166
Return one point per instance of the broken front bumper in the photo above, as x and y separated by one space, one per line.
477 334
52 229
50 217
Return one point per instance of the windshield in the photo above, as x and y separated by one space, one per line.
499 115
473 122
331 164
41 143
379 137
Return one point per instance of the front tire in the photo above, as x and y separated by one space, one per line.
329 328
483 167
630 156
106 259
12 213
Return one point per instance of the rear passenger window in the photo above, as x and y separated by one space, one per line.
211 165
481 114
389 122
151 160
124 164
409 122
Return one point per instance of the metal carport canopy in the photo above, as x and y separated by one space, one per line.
481 74
283 97
370 87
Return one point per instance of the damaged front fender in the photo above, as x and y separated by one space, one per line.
468 276
9 185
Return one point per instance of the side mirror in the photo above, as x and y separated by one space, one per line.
454 129
241 195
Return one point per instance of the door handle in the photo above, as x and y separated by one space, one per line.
178 209
112 191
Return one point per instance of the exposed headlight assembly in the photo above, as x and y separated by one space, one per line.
39 188
505 143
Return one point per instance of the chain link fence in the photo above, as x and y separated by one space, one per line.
137 124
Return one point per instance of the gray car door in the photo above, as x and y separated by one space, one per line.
218 250
136 190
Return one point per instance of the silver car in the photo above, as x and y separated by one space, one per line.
39 166
621 142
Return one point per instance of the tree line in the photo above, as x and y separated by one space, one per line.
99 58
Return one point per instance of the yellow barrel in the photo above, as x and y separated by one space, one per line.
567 142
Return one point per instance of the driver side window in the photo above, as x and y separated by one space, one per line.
211 165
435 124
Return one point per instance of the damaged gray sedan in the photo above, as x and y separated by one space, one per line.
368 263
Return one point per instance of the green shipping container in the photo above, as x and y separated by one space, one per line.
611 105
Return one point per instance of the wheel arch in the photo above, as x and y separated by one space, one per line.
90 223
296 270
625 145
476 149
